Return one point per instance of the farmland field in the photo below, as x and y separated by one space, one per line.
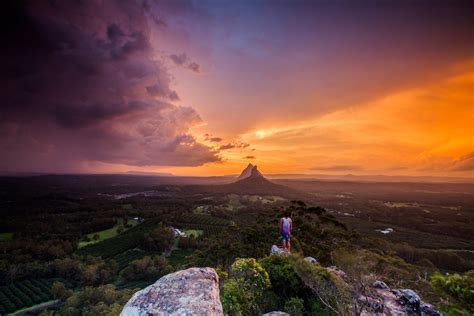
128 256
208 224
105 234
6 236
122 242
24 293
193 232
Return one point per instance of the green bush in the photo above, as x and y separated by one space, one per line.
317 308
233 298
245 287
59 290
294 306
333 292
458 291
251 273
284 280
270 301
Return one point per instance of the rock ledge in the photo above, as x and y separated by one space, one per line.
194 291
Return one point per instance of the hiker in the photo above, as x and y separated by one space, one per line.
285 229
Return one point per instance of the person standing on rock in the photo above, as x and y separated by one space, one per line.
286 225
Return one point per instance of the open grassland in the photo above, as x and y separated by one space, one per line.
106 234
193 232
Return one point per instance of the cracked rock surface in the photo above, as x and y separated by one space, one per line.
193 291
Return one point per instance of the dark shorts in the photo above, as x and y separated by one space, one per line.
285 237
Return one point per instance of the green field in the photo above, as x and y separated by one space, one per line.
194 232
118 244
106 234
6 236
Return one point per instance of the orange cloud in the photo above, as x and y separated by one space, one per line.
425 130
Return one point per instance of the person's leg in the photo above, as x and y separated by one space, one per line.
283 242
286 242
288 245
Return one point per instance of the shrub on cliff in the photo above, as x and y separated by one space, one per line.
294 306
284 280
333 292
245 287
457 291
293 284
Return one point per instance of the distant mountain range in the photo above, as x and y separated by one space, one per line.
173 179
364 178
145 173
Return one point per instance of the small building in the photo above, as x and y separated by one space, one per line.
178 233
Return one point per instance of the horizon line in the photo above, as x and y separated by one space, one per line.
274 175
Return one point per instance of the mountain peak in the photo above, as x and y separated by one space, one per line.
255 172
247 172
250 171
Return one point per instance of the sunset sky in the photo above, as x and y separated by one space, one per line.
205 87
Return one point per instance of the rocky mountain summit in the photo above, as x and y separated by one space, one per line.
250 171
251 181
195 291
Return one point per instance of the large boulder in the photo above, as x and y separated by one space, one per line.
194 291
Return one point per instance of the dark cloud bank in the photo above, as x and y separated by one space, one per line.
184 61
82 81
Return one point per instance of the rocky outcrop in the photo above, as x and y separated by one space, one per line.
386 301
250 171
275 250
335 270
194 291
380 299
